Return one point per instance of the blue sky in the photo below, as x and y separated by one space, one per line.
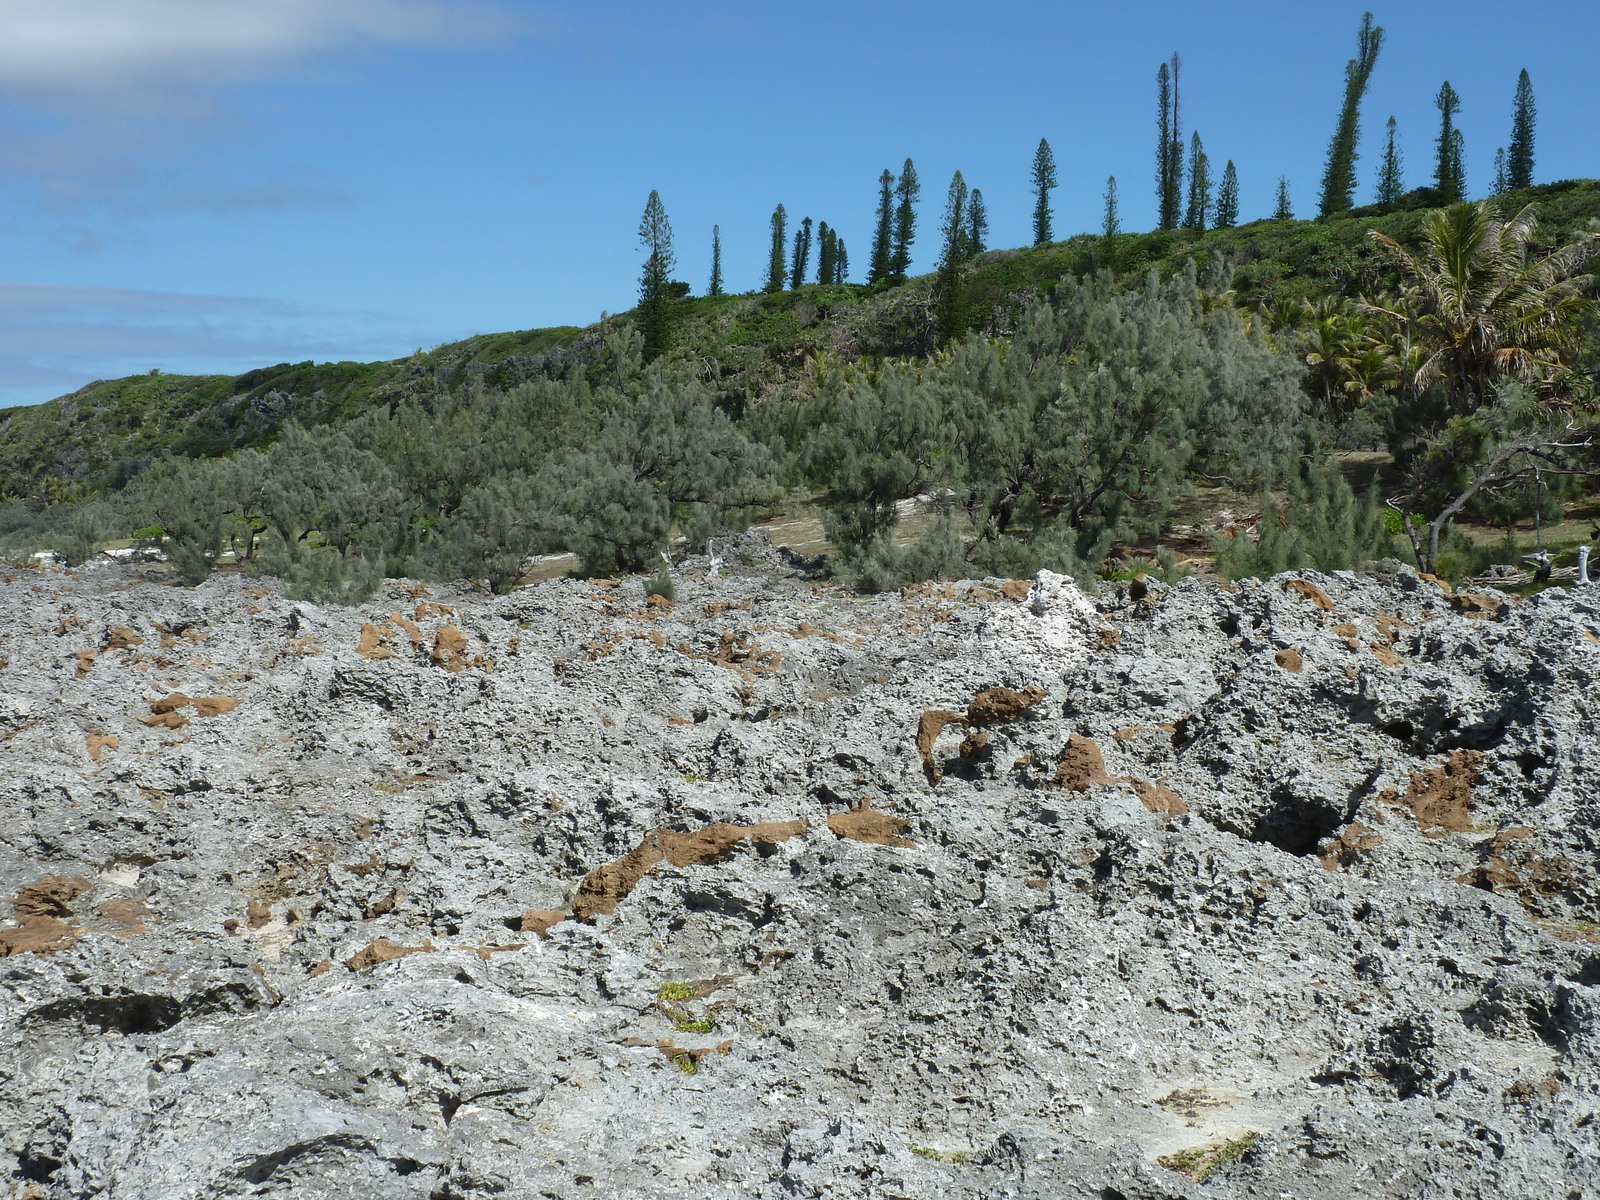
200 185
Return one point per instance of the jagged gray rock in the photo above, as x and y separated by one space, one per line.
567 893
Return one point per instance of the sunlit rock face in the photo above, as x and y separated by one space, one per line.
979 890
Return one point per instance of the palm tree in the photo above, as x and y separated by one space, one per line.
1480 308
1476 311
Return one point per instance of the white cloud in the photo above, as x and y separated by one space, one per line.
54 338
79 47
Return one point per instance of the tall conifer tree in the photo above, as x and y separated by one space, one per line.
949 312
1519 155
841 261
1199 210
1390 186
716 262
977 223
1169 155
1284 211
1502 179
825 251
802 253
775 268
655 300
1044 179
1110 223
1449 168
1339 177
1228 198
907 190
883 237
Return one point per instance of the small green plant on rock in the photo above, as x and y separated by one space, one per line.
936 1155
1199 1163
662 585
677 991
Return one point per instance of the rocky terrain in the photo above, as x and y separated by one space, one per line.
987 890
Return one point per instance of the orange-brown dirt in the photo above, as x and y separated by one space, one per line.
1441 798
50 896
863 823
1289 659
1339 851
606 885
1310 591
383 950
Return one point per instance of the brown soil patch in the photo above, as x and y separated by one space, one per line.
412 630
1478 605
372 642
1347 630
382 951
50 896
975 744
449 649
85 661
1441 797
1339 851
1155 797
1386 656
1001 704
541 921
130 912
214 706
1310 591
1289 659
688 1057
1510 867
743 653
120 637
169 703
929 727
717 607
258 913
38 935
1081 765
98 743
1442 584
606 885
1016 590
386 905
863 823
168 720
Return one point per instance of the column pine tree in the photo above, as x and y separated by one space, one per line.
802 253
1390 187
907 190
977 224
1519 155
883 236
1449 168
655 300
1339 177
1199 210
716 262
775 266
1110 223
1228 198
1283 211
1044 178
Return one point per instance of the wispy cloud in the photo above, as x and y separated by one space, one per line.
98 97
159 47
56 338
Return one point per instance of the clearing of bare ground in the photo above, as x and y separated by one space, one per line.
1283 889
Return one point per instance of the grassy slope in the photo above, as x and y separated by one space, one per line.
754 347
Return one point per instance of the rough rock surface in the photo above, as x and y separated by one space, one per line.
565 893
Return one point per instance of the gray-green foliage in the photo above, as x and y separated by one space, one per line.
1317 522
1076 433
662 460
